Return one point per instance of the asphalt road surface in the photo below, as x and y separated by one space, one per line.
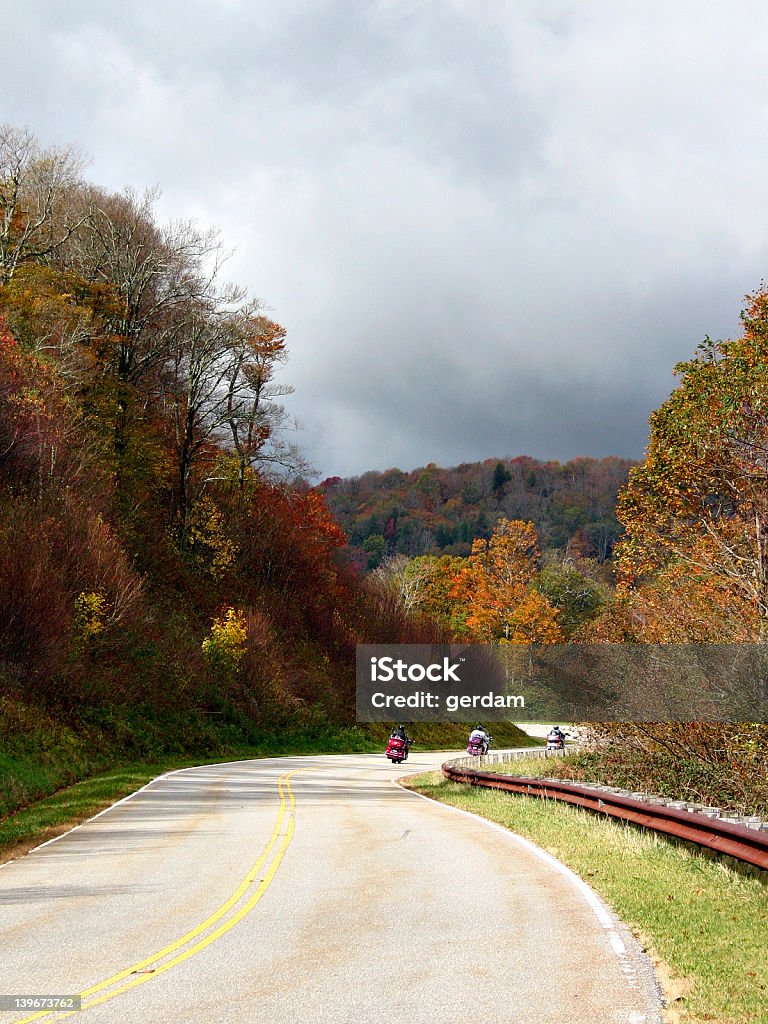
309 889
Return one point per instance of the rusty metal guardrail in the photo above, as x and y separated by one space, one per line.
734 840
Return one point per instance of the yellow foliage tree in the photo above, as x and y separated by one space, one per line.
534 621
90 613
209 539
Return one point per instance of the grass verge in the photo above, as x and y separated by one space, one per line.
59 812
704 918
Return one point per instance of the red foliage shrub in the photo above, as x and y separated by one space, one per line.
35 606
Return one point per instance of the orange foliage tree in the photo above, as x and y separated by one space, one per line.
696 511
495 585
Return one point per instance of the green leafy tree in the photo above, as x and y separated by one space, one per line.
501 477
577 597
374 546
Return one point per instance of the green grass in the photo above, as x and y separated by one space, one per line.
531 766
56 813
705 918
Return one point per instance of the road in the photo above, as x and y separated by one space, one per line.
309 889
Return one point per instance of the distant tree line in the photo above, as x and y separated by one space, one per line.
433 510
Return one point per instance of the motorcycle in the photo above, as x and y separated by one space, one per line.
397 749
477 747
556 741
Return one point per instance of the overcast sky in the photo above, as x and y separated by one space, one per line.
490 228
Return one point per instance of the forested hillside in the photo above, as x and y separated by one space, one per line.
164 585
433 510
691 565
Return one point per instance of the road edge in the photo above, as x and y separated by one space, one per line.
634 961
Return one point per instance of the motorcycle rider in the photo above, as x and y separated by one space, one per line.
480 736
399 745
556 736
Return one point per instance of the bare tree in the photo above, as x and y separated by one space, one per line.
35 219
404 577
197 390
153 273
219 384
257 421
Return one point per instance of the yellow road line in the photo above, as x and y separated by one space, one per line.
284 787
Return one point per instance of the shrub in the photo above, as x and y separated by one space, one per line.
224 649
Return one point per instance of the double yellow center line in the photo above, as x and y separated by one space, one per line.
240 903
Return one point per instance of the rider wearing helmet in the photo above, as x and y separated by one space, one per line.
556 735
480 736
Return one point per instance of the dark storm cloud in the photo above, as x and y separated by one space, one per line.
489 229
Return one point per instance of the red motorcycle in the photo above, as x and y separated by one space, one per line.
397 749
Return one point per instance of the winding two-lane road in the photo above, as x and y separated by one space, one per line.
310 889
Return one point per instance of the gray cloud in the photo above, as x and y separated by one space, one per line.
489 229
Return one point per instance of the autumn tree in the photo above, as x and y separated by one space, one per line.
155 273
36 218
490 597
437 593
534 620
496 587
287 542
219 383
698 505
256 419
673 608
693 564
54 315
